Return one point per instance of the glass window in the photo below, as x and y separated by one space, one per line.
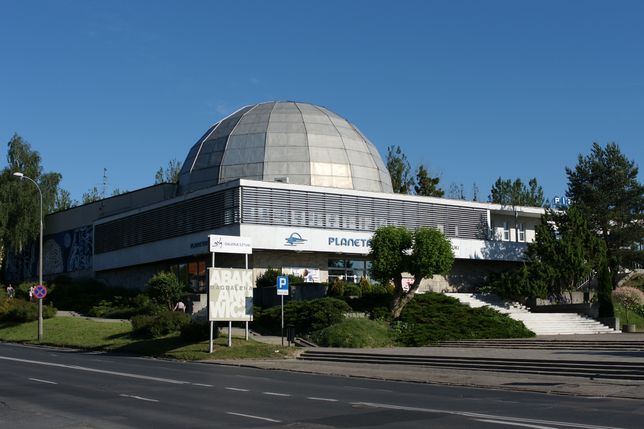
336 263
521 228
350 271
506 232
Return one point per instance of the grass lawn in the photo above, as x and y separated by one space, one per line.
80 333
632 317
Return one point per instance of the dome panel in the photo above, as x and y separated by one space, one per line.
304 143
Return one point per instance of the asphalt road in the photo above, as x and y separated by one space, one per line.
51 388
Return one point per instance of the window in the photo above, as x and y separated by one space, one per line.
350 271
506 232
521 230
193 274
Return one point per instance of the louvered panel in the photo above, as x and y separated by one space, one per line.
187 217
337 211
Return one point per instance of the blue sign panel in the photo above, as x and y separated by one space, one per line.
282 285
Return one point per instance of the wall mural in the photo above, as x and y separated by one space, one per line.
64 252
69 251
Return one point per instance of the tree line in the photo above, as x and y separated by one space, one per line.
20 201
598 236
504 191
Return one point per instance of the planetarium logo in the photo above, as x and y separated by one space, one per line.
294 239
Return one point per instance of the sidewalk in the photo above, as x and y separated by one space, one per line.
543 383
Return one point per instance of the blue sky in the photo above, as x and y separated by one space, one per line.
472 89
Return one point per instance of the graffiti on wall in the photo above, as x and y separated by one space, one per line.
68 251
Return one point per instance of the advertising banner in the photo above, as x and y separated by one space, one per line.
230 295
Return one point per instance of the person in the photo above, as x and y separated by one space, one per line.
31 293
180 307
10 291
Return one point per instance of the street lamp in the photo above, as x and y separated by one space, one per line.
22 176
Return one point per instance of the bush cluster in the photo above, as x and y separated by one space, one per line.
83 295
198 330
433 317
517 285
630 298
304 316
374 300
354 333
160 324
21 311
269 278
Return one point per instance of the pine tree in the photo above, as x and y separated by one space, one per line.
426 185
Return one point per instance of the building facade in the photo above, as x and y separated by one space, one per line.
303 184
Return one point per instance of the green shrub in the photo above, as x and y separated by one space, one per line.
21 311
305 316
124 307
112 310
159 325
336 288
604 291
380 313
22 290
518 285
269 278
354 333
630 298
165 289
365 286
82 295
376 303
351 290
197 331
433 317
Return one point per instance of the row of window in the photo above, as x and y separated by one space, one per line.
520 230
195 274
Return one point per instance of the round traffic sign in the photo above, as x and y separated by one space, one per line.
40 291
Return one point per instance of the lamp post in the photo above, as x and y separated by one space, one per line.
22 176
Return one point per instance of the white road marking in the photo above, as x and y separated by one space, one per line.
202 385
140 398
483 416
99 371
276 394
42 381
313 398
254 417
525 425
236 389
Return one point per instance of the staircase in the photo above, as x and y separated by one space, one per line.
539 323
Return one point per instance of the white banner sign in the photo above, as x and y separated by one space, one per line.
230 295
230 244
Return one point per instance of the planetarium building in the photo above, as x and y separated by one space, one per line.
302 183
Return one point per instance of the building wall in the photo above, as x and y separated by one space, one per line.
262 260
466 276
330 223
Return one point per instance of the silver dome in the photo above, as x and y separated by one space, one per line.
289 142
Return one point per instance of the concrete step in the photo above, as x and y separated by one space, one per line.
547 344
539 323
604 369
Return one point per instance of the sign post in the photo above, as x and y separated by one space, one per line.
230 291
282 289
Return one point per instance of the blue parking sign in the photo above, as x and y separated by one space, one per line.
282 285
